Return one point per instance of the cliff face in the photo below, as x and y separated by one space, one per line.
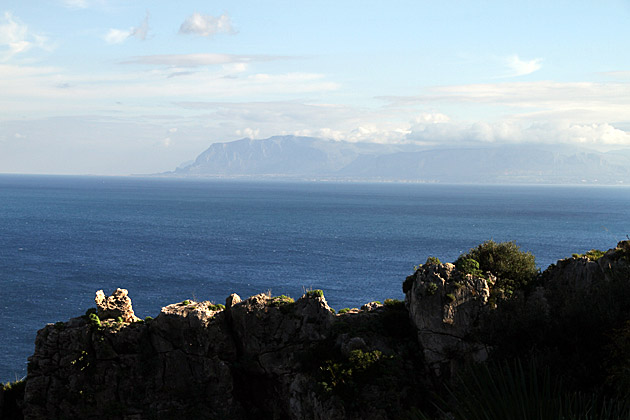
445 306
273 358
263 357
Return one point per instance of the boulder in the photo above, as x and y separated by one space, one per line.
445 306
114 306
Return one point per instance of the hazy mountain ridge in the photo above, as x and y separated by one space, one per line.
310 157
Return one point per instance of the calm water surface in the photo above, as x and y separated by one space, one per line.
63 238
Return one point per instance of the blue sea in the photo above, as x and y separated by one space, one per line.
166 240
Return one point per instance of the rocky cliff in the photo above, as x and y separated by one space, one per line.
274 358
264 357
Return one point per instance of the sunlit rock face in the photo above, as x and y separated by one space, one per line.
445 306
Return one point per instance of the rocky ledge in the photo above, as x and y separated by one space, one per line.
275 358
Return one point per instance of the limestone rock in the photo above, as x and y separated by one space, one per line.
444 305
114 306
371 306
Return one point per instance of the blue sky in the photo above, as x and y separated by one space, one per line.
133 86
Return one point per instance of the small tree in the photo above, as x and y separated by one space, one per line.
513 268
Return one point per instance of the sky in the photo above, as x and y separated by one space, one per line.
117 87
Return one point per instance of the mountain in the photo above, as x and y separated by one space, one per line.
296 157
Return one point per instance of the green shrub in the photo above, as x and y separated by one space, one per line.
513 268
281 301
314 293
345 377
468 266
186 302
450 297
431 289
393 303
344 311
216 307
148 319
94 320
592 255
433 261
119 320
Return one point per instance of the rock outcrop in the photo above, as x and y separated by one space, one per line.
445 305
262 357
114 306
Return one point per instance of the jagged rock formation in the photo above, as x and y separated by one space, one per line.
445 306
114 306
263 357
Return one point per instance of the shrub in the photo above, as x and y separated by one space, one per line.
94 320
314 293
148 319
216 307
344 311
430 289
186 302
592 255
343 378
513 268
468 266
393 303
281 300
433 261
450 297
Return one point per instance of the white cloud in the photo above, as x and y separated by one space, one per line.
206 25
251 133
15 38
522 68
433 118
117 36
598 136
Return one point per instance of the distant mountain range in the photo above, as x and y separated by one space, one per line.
293 157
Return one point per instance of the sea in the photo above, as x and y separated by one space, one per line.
62 238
